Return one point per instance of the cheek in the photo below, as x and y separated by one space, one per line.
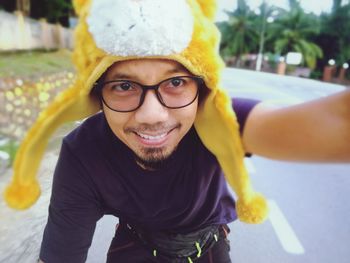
189 114
117 121
193 109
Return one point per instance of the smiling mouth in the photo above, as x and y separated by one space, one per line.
156 139
152 137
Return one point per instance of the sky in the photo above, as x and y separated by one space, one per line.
315 6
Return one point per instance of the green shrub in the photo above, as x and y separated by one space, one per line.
10 147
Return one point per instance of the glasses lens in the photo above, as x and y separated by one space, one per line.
122 95
179 91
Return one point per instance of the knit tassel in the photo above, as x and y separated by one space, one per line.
24 189
215 123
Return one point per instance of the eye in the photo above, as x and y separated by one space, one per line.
176 82
122 86
125 86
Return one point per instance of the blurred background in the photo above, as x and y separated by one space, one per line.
307 39
279 51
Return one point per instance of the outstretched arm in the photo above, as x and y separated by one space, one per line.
314 131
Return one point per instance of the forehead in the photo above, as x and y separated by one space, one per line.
145 68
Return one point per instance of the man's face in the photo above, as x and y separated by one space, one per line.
152 131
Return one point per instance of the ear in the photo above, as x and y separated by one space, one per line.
209 8
79 4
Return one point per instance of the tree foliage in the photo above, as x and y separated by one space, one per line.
58 11
8 5
293 32
55 11
335 33
239 35
317 37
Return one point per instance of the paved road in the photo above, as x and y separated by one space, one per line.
279 90
309 219
309 202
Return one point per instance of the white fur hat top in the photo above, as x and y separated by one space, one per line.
141 28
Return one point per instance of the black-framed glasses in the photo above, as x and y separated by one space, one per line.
126 96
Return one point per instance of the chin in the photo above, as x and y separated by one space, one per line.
156 153
153 158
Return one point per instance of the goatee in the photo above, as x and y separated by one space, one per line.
153 158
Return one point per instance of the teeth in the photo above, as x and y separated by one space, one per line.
149 137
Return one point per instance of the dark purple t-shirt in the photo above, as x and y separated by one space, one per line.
96 174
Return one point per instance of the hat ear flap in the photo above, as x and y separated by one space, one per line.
70 105
209 8
79 5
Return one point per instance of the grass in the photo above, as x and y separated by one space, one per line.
10 147
27 64
33 63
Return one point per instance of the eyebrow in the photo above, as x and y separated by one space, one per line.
124 75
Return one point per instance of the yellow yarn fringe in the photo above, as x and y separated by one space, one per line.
24 190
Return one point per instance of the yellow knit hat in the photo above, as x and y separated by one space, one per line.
115 30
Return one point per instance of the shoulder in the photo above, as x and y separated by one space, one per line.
87 143
243 107
90 130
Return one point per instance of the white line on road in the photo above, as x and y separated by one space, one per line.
283 230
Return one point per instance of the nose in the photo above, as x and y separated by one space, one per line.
151 110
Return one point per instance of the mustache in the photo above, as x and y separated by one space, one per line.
152 128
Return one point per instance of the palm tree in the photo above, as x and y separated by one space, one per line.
266 12
293 32
239 35
335 32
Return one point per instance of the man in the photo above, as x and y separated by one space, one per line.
156 137
159 153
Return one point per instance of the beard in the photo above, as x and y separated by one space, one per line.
153 158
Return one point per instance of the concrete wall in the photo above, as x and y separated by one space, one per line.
22 33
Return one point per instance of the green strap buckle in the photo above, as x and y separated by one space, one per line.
199 250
